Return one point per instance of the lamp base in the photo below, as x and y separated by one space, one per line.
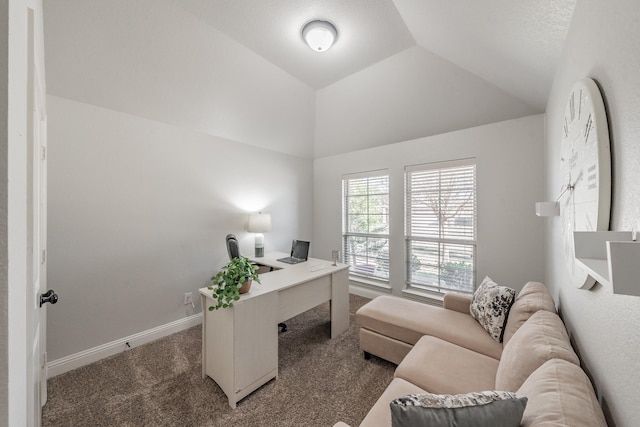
259 245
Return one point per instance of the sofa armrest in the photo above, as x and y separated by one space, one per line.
457 302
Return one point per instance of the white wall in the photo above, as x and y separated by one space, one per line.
602 44
409 95
509 157
4 247
138 212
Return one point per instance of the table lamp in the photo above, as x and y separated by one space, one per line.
259 223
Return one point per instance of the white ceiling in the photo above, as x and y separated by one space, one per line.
513 44
239 69
368 32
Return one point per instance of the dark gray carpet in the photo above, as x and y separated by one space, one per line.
321 381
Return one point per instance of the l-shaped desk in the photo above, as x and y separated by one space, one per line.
240 344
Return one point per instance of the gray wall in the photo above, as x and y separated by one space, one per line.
138 212
412 94
509 158
4 256
602 44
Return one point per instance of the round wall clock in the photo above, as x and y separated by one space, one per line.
586 168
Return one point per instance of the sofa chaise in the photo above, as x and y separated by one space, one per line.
445 351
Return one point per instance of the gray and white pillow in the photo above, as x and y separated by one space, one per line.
479 409
490 307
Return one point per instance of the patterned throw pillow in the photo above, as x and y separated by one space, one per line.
490 307
479 409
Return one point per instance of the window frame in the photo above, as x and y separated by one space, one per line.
441 241
356 274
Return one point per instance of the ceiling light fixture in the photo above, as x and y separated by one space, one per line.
319 35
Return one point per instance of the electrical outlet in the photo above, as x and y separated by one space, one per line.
188 299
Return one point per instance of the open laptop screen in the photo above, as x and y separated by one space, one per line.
300 249
299 252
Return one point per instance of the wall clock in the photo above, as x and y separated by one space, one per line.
586 169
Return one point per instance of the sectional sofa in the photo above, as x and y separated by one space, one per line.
444 350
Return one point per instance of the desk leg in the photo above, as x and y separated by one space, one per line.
203 304
339 302
240 345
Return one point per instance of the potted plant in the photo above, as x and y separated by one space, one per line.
234 279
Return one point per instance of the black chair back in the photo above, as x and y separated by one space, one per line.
232 246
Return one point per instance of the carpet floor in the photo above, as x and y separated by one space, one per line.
321 381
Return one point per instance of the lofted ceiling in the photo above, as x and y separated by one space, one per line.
239 69
513 44
368 32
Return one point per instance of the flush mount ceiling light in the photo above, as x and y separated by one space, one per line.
319 35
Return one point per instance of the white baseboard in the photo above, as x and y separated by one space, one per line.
77 360
366 292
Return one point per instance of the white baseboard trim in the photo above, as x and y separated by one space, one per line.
366 292
77 360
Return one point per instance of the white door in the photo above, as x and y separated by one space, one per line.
36 221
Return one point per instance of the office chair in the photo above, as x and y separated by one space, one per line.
234 252
232 246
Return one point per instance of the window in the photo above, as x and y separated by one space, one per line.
440 226
365 224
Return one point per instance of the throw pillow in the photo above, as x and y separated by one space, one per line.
478 409
490 307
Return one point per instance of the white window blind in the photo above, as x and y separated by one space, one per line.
365 224
440 226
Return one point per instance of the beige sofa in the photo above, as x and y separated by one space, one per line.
445 351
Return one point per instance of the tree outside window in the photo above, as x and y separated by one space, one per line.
366 225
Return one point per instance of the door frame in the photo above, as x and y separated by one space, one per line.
20 402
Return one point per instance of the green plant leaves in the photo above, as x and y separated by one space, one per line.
228 281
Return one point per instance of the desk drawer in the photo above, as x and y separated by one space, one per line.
300 298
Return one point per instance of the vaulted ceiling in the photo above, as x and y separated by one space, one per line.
513 44
239 69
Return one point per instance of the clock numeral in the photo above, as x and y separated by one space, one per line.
592 178
587 129
572 106
580 105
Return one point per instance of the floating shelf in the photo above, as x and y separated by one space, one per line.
610 257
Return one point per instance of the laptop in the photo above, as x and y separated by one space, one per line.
299 252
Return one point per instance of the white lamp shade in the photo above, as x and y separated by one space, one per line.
259 223
319 35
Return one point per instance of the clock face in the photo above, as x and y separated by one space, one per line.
586 169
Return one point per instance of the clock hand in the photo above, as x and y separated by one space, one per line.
577 179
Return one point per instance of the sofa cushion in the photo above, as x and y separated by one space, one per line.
490 307
478 409
380 414
560 394
441 367
533 297
408 321
541 338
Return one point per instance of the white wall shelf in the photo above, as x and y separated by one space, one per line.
610 257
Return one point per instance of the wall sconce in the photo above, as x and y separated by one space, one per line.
552 208
259 223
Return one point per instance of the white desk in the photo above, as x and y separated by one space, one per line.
240 344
